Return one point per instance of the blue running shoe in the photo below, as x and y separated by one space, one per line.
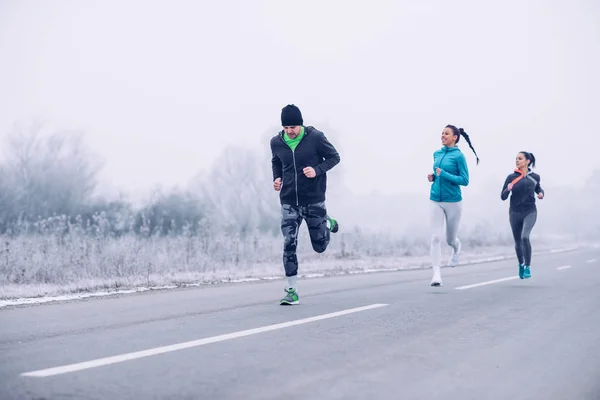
521 270
526 272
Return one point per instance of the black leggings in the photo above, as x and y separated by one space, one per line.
521 224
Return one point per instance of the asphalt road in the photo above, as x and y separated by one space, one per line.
509 339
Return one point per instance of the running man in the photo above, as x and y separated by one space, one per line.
450 173
521 185
301 157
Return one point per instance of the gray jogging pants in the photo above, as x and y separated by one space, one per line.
441 212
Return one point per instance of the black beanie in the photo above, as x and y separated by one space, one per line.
291 116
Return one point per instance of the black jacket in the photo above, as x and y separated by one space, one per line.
523 192
314 150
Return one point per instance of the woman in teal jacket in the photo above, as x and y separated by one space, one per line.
450 172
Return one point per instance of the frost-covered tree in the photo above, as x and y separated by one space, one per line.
44 174
238 191
171 212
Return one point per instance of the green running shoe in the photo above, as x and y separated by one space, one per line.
526 272
290 298
334 226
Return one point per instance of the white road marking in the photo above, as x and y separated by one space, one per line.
593 260
510 278
186 345
563 267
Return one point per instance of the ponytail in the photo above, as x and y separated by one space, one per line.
460 131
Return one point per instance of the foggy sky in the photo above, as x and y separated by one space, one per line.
161 88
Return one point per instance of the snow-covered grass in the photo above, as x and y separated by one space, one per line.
56 264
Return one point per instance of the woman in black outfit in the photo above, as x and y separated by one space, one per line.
523 212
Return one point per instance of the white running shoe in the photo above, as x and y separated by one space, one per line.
437 277
454 259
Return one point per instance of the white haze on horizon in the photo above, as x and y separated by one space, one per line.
161 89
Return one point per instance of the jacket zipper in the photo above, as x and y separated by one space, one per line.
440 182
295 175
294 161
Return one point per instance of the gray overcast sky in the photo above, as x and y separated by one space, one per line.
160 88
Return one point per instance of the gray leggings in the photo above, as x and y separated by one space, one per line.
521 224
452 213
